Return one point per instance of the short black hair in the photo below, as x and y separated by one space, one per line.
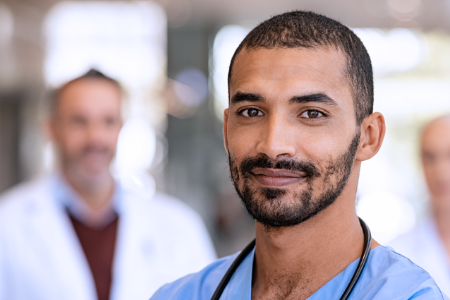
91 74
305 29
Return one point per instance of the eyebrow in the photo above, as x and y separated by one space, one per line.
250 97
321 98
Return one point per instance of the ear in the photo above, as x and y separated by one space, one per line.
49 128
225 127
373 129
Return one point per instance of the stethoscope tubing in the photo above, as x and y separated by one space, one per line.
226 278
361 264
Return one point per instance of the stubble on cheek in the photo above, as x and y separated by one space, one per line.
234 170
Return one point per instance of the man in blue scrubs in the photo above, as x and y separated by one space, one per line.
298 126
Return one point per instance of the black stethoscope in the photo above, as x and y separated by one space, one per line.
362 262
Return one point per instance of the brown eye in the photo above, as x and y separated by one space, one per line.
311 114
251 112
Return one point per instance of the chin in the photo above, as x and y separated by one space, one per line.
95 172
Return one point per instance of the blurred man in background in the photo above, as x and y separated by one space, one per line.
77 234
428 245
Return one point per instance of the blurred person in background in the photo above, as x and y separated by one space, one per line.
77 235
428 245
299 124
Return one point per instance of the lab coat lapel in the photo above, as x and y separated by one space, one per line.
133 278
56 245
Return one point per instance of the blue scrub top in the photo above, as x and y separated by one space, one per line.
387 275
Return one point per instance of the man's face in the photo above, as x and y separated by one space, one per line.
86 126
290 132
435 150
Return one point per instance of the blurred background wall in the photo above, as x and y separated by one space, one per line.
172 57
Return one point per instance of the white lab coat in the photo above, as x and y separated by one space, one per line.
158 241
424 247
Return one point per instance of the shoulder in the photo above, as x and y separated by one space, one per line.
200 286
23 196
174 225
25 189
177 207
163 207
389 273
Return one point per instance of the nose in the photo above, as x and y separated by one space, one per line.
95 133
275 140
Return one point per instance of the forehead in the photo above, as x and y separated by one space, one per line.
436 135
88 93
303 69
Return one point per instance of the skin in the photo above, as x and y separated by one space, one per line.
435 151
294 262
84 128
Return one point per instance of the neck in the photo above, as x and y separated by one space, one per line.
294 262
96 192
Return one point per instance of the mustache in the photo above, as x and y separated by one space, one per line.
248 164
95 149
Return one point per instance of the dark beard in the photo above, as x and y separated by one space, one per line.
274 211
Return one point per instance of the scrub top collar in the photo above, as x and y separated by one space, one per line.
239 287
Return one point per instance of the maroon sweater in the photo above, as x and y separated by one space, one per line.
98 246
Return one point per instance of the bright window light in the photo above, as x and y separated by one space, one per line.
227 40
136 149
126 40
393 50
136 146
387 215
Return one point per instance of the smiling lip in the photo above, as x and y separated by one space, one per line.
276 177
